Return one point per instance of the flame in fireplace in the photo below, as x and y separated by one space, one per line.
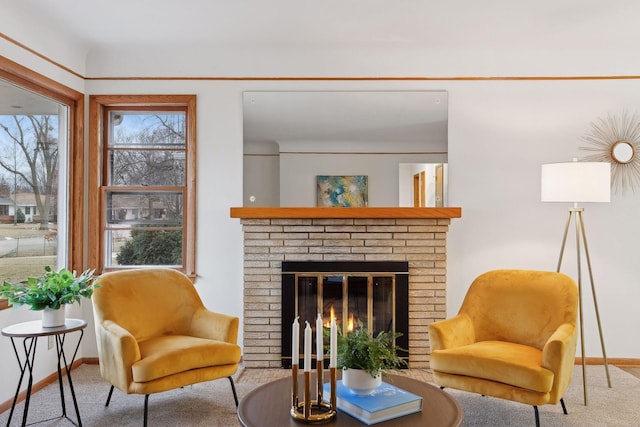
350 323
332 315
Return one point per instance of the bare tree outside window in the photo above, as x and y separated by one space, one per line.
29 156
28 194
146 153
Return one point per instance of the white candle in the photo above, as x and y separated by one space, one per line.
333 345
319 338
307 347
295 342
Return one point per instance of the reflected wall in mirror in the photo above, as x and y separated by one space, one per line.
290 137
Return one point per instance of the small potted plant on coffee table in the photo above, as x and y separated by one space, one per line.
363 358
50 292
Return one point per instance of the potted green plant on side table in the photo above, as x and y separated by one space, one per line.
50 292
363 358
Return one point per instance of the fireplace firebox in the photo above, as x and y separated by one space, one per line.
368 294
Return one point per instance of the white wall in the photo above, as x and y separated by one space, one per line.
500 132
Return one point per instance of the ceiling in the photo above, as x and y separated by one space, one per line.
449 24
15 100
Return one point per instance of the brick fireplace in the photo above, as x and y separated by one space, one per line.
273 235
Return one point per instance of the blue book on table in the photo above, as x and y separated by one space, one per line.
384 403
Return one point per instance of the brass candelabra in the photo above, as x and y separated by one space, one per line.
313 411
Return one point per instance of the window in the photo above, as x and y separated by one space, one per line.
143 149
41 174
33 135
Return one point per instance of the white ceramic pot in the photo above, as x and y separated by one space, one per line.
53 318
360 382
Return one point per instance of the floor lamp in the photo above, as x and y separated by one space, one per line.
578 182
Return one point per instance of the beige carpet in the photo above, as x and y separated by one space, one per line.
607 407
211 404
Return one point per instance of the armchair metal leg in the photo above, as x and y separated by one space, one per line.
109 396
233 388
535 410
564 408
146 408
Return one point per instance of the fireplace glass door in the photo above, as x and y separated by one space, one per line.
376 301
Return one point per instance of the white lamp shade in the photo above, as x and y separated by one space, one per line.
576 182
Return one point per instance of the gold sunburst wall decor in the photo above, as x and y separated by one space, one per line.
616 139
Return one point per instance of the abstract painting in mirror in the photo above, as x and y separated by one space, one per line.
342 191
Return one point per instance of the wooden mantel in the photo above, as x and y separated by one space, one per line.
373 212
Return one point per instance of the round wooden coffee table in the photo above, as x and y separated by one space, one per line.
269 405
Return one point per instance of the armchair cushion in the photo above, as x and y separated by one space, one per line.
504 362
172 354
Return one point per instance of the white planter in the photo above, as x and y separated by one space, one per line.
53 318
360 382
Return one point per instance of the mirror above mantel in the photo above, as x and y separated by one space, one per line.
291 137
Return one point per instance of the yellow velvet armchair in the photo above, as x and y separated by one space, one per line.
514 338
154 334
